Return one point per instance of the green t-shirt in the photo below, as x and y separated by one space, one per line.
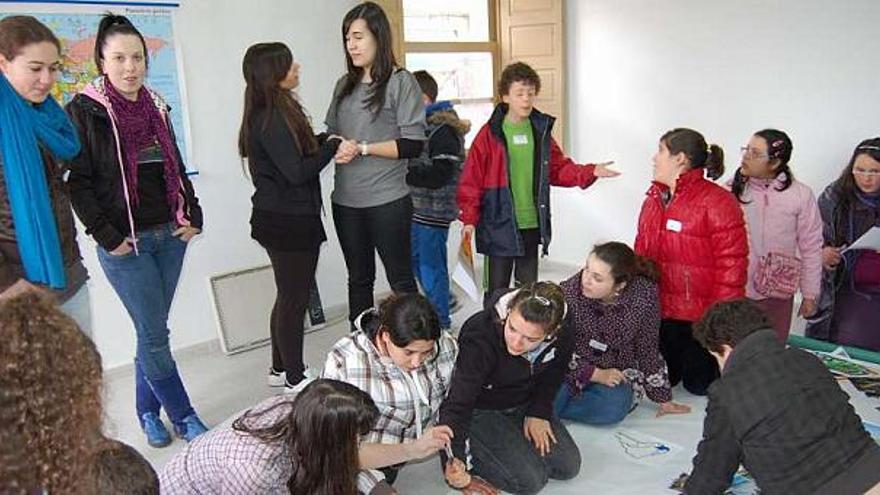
521 150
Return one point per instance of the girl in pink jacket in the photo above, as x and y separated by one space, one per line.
785 230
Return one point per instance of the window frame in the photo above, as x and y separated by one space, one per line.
493 46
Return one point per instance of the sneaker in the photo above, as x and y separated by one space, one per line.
309 376
190 427
276 378
154 428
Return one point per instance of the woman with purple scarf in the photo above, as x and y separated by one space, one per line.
615 316
849 307
129 188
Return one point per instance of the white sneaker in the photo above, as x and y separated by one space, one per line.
309 376
276 378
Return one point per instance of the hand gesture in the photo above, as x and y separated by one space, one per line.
610 377
672 408
539 432
602 170
456 474
347 151
432 440
830 257
124 247
186 233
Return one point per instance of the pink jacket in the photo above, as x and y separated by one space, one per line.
786 222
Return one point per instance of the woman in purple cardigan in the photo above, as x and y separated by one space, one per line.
616 319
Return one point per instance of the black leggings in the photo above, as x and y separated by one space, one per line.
524 268
294 277
686 359
364 231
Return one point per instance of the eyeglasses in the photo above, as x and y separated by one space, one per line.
866 172
752 153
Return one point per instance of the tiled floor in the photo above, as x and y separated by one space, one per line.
221 386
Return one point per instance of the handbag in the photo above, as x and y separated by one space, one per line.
778 275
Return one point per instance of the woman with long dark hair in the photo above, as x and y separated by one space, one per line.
128 186
285 159
849 307
37 233
378 105
615 317
310 443
694 231
402 358
785 230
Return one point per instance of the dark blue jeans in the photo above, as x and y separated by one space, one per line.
597 404
429 266
145 283
503 456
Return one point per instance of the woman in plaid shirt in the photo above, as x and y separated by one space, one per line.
312 443
402 359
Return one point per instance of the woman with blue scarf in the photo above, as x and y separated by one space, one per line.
37 233
849 307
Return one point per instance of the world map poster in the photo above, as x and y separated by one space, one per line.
77 34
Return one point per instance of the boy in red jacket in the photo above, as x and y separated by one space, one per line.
504 191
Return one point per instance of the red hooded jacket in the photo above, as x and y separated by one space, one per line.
698 239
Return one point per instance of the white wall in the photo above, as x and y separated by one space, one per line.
214 36
638 68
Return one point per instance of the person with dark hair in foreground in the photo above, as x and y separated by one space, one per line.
401 357
119 468
778 412
311 444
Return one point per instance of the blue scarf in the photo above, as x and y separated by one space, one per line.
24 127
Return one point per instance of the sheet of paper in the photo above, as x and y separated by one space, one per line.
465 274
870 240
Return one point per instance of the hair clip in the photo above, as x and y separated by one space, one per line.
866 147
543 300
776 143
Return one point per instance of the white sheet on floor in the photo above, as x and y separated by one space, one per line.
606 469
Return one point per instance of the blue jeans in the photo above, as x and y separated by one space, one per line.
429 266
597 404
145 283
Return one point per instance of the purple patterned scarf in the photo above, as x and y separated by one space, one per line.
140 126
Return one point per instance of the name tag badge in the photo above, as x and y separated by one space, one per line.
595 344
549 356
673 225
520 139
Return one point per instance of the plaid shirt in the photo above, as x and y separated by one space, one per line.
225 461
408 402
780 413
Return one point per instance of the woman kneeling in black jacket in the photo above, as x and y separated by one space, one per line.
512 359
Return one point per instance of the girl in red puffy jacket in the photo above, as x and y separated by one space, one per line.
694 230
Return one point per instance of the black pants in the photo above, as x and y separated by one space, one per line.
686 359
524 268
294 276
364 231
504 457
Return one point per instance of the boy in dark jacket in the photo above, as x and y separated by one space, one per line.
433 178
778 412
504 191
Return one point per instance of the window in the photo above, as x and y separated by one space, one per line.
455 41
